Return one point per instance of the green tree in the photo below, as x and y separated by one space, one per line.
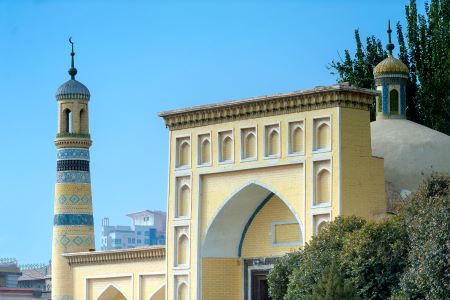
278 277
319 254
427 55
333 286
427 219
374 257
359 70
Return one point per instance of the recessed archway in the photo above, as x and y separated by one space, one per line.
227 229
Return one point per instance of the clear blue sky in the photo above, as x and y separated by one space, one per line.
139 58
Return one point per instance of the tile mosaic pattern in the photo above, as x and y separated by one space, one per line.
79 177
72 153
73 220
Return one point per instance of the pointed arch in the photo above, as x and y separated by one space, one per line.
226 230
184 154
227 149
274 142
111 292
323 186
297 140
323 136
250 146
183 250
184 201
393 102
182 291
205 153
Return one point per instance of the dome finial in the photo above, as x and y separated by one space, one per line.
72 70
389 46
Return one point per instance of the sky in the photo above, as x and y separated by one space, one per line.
138 58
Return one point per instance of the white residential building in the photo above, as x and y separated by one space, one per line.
148 229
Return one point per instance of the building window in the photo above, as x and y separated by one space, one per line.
146 233
139 241
204 149
248 143
393 102
296 138
226 152
322 134
380 104
139 233
272 140
147 241
183 146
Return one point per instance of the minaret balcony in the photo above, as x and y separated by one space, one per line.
68 139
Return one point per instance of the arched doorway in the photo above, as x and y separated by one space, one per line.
111 293
253 227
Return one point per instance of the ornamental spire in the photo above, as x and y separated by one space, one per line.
72 71
389 45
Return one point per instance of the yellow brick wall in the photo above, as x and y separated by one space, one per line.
137 280
259 237
362 175
221 279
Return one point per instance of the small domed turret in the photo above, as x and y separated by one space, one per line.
391 76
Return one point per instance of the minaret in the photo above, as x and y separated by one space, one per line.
73 227
391 76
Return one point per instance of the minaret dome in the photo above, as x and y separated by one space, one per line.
391 76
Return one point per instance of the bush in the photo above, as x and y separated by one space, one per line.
427 218
374 257
320 254
278 277
333 286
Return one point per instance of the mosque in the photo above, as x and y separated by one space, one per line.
249 181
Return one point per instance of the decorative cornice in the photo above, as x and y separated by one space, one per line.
69 142
111 256
341 95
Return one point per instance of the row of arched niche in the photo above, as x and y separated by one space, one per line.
272 146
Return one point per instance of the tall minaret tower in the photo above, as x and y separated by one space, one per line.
391 76
73 227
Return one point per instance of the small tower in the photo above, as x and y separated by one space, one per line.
73 229
391 76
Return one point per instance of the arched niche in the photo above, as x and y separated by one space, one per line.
250 146
184 154
323 136
184 201
323 186
111 293
182 291
183 250
205 152
159 294
227 149
297 140
273 142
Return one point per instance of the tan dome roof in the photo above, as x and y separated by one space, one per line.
390 65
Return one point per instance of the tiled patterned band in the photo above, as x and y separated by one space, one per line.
72 165
72 153
73 177
73 220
